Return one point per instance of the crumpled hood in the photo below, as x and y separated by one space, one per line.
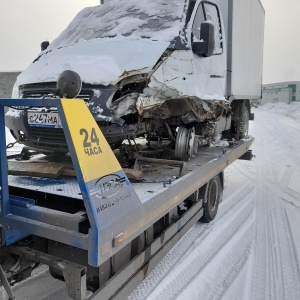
99 61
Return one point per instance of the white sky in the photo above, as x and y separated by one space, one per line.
24 24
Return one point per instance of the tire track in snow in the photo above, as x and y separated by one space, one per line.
271 154
199 257
224 268
287 262
275 274
261 283
191 240
293 246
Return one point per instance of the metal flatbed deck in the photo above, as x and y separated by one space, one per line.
153 179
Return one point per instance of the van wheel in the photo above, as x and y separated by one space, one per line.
244 122
214 195
186 143
240 124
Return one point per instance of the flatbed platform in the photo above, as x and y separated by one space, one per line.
156 176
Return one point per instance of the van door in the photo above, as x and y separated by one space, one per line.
184 74
211 71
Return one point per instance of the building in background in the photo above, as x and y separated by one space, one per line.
7 81
286 92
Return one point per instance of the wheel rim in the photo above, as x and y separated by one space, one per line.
186 144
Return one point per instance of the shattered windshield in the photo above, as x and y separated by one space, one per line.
125 19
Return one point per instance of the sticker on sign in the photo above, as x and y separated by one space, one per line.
44 119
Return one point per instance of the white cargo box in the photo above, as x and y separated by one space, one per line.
244 20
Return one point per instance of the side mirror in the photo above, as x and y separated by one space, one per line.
44 45
206 46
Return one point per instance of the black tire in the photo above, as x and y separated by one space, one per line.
213 197
244 122
240 122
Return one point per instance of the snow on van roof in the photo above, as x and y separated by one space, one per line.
154 20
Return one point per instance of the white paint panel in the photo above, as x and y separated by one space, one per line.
190 75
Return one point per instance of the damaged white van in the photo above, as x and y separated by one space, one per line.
181 71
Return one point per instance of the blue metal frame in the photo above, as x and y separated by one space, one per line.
15 227
129 218
22 225
4 197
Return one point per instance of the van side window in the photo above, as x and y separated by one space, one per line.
212 14
199 19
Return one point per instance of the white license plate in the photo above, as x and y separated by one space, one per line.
43 119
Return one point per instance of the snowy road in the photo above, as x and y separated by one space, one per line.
252 249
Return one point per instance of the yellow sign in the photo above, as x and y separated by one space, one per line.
94 154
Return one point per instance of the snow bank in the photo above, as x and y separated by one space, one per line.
290 110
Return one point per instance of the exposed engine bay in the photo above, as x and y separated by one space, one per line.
123 113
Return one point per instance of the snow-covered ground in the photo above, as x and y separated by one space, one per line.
252 249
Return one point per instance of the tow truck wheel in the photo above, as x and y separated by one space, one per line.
213 197
186 144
